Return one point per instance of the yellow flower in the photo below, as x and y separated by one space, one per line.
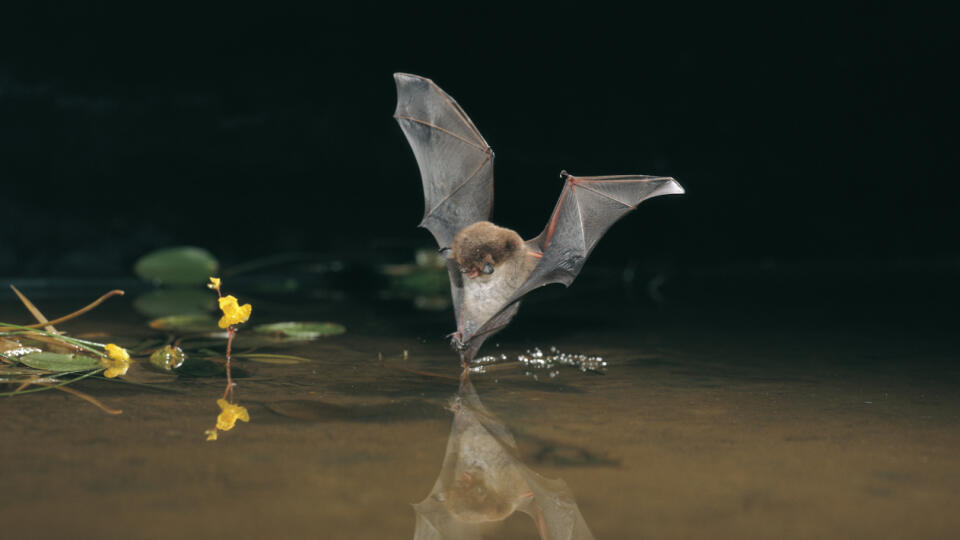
214 283
233 313
229 414
117 363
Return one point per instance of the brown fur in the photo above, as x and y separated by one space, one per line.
486 294
482 243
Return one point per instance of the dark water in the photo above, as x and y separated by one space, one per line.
781 403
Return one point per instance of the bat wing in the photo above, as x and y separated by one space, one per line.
472 340
587 207
456 163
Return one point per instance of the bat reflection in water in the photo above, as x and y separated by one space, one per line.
491 268
482 483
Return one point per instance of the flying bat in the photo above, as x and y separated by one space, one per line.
482 483
491 268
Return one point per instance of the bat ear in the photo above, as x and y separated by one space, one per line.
445 252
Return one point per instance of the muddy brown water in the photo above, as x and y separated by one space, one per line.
719 416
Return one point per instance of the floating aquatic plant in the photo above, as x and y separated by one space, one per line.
177 266
425 281
300 330
167 358
38 357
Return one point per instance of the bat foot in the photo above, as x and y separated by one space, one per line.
456 341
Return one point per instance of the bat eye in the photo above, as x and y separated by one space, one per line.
445 252
488 269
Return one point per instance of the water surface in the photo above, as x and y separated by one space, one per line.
743 407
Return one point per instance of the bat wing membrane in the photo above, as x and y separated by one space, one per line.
586 208
456 163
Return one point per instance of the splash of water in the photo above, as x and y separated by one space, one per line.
536 362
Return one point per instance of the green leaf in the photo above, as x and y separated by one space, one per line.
264 358
164 302
301 330
185 265
59 362
167 358
18 373
423 282
186 323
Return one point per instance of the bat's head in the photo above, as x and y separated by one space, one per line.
483 248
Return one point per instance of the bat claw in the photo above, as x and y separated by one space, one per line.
564 175
456 340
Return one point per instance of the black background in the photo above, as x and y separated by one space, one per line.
805 133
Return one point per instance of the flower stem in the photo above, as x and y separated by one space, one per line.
231 332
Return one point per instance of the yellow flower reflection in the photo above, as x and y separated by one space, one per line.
117 363
229 414
211 434
233 313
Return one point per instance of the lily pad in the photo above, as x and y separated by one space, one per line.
164 302
59 362
301 330
184 265
186 323
413 279
280 359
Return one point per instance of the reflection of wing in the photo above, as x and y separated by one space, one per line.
425 530
482 482
456 164
554 511
434 522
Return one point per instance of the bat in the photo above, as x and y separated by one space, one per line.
482 483
491 268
